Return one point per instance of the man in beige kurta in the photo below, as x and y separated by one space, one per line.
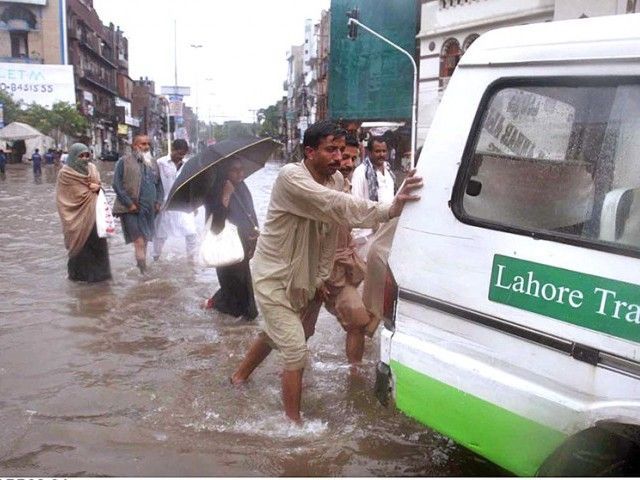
295 253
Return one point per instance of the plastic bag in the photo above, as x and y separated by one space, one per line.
105 223
222 249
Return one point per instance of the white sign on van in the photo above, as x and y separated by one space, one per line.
525 124
40 84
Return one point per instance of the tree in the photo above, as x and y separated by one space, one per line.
270 121
38 117
11 108
61 119
67 119
219 132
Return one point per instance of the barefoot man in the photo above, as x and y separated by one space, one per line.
295 253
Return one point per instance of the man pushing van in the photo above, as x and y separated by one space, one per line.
295 252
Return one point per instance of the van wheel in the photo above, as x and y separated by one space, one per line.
594 453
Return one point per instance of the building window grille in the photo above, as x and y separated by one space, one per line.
19 44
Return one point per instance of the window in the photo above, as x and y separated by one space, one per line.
468 41
558 161
19 17
449 58
19 44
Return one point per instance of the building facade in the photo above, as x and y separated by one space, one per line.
93 55
322 65
449 27
31 32
128 124
149 109
308 93
294 87
567 9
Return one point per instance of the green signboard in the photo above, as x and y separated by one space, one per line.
589 301
369 79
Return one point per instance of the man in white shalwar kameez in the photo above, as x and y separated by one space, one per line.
172 222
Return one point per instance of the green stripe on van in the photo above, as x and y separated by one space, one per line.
516 443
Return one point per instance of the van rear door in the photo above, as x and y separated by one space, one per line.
546 233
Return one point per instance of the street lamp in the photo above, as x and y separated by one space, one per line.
196 47
353 24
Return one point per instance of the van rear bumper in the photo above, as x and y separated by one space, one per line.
511 401
510 440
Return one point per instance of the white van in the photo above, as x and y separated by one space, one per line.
516 325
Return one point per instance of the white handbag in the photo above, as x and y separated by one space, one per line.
222 249
105 223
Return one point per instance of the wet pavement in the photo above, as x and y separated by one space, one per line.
129 377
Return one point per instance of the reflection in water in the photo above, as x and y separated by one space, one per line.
130 377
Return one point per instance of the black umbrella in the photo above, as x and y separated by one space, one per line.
197 175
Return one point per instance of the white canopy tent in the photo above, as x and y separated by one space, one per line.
19 131
31 136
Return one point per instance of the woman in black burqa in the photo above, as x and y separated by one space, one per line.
230 199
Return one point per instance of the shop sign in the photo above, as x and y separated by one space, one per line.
43 85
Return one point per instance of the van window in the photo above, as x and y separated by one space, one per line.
562 161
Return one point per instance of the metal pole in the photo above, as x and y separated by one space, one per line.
168 129
414 106
197 88
175 54
64 33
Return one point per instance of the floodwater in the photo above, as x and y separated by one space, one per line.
129 377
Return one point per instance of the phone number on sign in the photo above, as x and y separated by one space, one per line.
26 87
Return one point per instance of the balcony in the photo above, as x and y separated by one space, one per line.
98 81
93 47
123 63
104 115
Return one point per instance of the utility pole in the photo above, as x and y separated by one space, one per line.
175 53
175 81
196 47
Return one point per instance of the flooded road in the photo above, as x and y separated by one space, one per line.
129 377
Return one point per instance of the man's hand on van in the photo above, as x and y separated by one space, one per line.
411 183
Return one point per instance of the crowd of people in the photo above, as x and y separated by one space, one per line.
303 257
52 160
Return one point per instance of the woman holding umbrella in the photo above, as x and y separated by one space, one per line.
230 200
76 195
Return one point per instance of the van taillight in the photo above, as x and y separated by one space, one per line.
390 299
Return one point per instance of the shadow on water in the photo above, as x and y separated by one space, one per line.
130 377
